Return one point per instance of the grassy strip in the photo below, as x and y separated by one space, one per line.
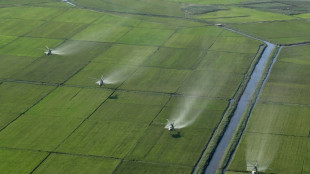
241 127
219 132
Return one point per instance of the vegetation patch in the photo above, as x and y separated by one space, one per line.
69 102
280 32
174 58
19 161
103 138
23 133
60 163
157 79
15 98
16 64
57 30
139 167
25 46
146 36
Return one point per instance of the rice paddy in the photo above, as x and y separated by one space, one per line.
159 61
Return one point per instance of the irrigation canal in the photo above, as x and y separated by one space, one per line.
243 103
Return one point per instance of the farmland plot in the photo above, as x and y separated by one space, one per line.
277 135
280 32
19 161
15 98
59 68
153 64
60 163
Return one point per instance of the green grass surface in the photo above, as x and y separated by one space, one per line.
17 27
130 107
295 55
174 58
60 163
59 30
211 84
117 128
199 38
277 153
101 33
25 46
126 54
305 15
49 70
69 102
115 74
15 98
285 93
146 36
78 16
159 145
288 82
6 39
290 73
277 134
143 7
280 119
147 168
58 68
103 138
29 13
209 111
306 168
226 61
282 32
286 7
126 112
211 1
236 44
43 133
140 98
15 64
112 20
242 15
159 80
19 161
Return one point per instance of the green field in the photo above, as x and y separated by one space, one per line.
277 135
281 32
159 60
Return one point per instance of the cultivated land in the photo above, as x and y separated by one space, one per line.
160 58
277 135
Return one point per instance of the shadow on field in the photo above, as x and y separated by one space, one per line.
113 97
176 135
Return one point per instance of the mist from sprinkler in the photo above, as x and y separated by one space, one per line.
69 48
115 77
186 113
190 108
262 150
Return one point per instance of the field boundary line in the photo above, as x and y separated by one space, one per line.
305 155
40 163
83 122
94 156
37 102
278 134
